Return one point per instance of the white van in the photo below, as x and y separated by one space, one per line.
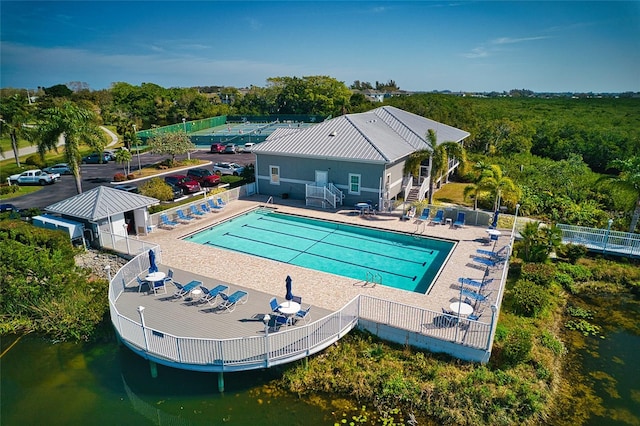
248 147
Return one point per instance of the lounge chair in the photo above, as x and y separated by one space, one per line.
195 212
459 220
424 216
274 305
438 218
475 283
473 295
487 262
183 290
182 217
229 302
501 254
210 295
213 205
205 208
409 214
165 222
220 202
303 314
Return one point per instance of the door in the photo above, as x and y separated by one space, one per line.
322 177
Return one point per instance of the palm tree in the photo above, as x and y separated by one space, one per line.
539 241
474 189
501 186
123 156
14 114
438 155
77 125
629 178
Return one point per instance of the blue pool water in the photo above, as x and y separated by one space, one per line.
402 261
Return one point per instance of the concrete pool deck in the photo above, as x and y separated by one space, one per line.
322 289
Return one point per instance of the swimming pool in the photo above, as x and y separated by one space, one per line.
398 260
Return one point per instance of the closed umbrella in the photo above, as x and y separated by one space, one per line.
289 295
152 262
494 223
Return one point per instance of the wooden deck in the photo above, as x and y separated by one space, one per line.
186 318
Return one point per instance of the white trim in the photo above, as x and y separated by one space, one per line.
351 192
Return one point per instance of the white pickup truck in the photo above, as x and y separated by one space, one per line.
36 176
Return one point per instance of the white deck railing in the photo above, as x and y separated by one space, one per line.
322 193
602 240
285 346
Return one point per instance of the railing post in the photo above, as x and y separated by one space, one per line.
265 320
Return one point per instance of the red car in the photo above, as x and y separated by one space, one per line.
217 148
204 177
187 184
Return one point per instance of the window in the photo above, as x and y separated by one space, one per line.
354 184
275 175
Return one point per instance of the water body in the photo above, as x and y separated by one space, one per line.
105 384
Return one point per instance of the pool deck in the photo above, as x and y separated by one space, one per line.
264 278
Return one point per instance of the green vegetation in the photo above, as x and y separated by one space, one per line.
42 289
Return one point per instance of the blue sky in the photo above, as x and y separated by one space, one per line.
422 45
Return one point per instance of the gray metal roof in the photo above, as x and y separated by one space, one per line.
385 135
99 203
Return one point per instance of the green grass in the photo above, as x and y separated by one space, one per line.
452 193
24 190
5 144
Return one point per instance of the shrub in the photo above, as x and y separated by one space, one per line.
157 188
517 346
529 299
538 273
36 161
118 177
578 272
572 252
131 176
6 189
566 281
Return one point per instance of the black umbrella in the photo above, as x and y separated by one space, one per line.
152 262
289 295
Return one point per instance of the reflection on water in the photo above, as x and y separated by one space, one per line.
104 384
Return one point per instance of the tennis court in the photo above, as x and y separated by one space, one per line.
392 259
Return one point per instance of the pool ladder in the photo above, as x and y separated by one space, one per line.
372 278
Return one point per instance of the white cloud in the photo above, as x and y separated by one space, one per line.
510 40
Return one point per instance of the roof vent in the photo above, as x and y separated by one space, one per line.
333 133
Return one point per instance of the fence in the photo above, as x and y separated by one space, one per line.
604 241
187 126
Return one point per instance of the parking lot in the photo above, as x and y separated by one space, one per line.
94 175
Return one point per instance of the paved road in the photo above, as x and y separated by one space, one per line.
94 175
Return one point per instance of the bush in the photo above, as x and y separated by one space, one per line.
517 346
572 252
131 176
538 273
36 161
577 272
529 299
6 189
118 177
156 188
566 281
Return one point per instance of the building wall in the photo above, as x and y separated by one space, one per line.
295 173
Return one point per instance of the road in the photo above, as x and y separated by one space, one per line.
94 175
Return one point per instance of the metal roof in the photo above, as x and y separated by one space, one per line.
384 135
99 203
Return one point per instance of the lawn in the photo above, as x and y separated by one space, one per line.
452 193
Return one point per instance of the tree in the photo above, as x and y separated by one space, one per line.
171 143
438 156
123 156
474 189
76 125
539 241
501 186
14 114
58 91
629 178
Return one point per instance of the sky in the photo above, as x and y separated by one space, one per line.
473 46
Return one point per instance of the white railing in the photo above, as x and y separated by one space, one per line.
226 354
314 192
337 192
124 244
285 346
602 240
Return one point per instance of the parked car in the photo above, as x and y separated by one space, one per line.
8 208
228 169
247 147
128 188
35 176
187 184
95 158
230 149
111 154
216 148
62 168
204 177
177 191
